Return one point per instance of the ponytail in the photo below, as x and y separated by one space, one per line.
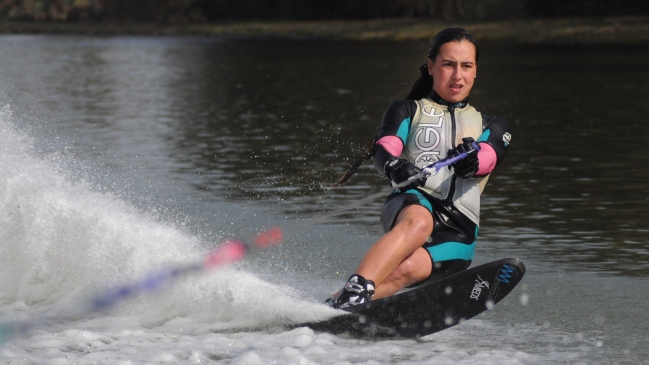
422 86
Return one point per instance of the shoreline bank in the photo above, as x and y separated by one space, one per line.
624 30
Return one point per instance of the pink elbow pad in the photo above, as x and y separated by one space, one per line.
392 144
486 159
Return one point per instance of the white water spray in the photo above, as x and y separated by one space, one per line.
62 241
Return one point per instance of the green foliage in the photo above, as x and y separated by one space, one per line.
121 10
192 11
168 11
50 10
360 9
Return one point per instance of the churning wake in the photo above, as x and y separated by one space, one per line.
62 241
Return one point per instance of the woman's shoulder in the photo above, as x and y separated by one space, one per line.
489 120
499 131
400 109
403 103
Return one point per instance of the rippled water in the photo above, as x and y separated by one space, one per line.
122 154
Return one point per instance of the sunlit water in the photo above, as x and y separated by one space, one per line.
122 155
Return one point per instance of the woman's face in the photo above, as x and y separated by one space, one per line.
454 70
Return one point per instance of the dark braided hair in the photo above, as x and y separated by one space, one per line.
422 86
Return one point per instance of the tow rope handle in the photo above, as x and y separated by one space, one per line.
436 166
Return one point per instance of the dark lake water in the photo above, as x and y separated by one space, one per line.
224 138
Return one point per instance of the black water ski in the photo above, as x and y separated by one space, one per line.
431 307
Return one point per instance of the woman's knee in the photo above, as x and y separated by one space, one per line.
417 220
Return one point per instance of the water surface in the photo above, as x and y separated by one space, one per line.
122 154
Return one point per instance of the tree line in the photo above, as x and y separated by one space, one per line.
201 11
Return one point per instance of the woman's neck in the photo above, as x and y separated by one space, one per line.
434 96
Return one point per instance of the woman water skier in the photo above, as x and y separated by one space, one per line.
432 223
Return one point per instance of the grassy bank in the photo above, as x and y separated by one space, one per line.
581 30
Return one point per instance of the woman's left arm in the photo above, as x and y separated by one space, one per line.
493 143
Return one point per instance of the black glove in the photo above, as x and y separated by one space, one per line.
468 166
400 170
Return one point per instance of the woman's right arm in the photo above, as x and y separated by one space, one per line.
394 130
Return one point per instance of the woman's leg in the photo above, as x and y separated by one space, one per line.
414 269
400 249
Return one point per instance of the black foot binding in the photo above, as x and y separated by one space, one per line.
357 290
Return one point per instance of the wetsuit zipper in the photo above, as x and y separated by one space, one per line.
451 192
